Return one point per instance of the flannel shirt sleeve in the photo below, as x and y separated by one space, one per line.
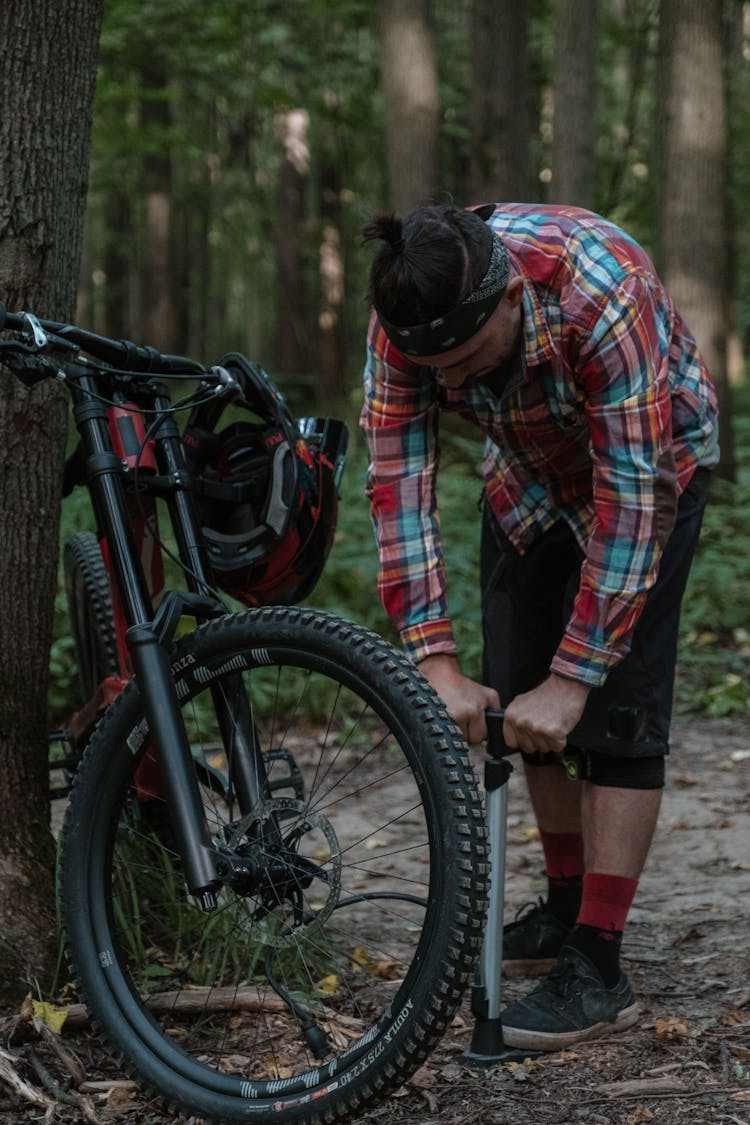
623 368
399 418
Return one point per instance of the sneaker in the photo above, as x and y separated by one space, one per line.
532 943
570 1006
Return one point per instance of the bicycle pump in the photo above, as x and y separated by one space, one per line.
624 724
487 1047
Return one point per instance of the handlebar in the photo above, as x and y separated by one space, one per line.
120 354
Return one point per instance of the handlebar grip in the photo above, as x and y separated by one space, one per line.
496 746
9 319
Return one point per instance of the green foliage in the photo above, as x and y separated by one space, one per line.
715 642
225 71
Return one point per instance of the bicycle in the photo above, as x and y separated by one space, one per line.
272 868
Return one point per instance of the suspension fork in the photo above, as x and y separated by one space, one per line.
149 657
247 772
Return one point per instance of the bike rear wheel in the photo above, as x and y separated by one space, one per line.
89 600
317 992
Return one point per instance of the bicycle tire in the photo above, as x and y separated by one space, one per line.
380 983
92 622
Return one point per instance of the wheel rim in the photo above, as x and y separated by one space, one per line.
354 973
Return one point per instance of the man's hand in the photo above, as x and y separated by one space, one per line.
465 699
541 720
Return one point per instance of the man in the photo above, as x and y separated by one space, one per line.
549 329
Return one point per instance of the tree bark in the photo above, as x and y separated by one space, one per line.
500 108
574 88
693 207
118 235
47 73
412 105
158 307
330 383
292 331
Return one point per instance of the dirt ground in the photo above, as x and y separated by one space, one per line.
686 951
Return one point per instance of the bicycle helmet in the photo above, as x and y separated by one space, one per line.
267 490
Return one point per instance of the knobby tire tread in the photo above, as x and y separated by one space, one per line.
90 604
421 1031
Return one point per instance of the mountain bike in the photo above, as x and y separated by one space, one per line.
272 868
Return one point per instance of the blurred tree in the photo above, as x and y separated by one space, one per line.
410 93
47 70
292 308
157 290
574 85
500 101
694 231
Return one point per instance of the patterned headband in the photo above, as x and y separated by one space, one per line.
458 326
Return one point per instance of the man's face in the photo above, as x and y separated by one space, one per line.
488 350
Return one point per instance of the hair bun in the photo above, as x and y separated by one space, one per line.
388 228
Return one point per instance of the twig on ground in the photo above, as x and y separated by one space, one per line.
9 1074
66 1058
67 1097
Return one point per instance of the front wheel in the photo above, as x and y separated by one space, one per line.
323 983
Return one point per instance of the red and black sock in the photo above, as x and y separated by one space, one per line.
601 920
563 859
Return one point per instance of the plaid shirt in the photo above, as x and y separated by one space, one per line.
605 420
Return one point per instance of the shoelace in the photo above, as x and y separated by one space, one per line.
561 979
526 910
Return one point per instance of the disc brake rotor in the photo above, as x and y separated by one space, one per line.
303 900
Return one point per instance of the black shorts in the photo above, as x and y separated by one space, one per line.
527 601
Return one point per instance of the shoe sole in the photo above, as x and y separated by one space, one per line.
528 967
558 1041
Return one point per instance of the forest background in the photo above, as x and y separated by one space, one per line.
236 151
238 148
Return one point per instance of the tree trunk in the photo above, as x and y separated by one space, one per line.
47 73
158 309
574 88
692 147
500 109
292 331
412 106
117 237
330 383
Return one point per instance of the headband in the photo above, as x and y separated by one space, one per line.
458 326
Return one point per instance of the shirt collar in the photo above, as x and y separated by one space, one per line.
537 338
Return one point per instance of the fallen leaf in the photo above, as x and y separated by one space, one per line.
50 1014
563 1058
685 781
733 1016
671 1028
740 1096
119 1096
640 1116
329 985
360 957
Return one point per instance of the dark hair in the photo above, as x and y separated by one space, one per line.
430 261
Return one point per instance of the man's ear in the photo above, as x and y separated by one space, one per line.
514 291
